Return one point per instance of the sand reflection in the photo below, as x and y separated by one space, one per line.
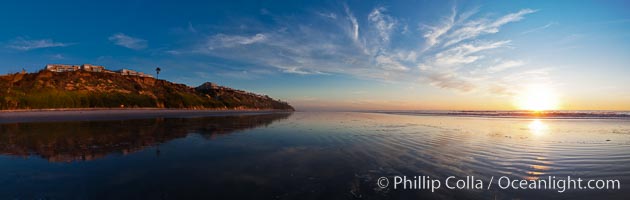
537 127
90 140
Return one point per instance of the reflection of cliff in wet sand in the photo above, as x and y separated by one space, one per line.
70 141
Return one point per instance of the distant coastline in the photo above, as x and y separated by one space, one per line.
106 114
552 114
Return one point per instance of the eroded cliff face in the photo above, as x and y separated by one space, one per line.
81 89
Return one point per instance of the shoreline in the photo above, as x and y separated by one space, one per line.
105 114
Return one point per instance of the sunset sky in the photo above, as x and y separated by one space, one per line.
345 55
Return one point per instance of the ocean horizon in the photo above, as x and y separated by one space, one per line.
548 114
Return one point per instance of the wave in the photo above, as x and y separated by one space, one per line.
516 114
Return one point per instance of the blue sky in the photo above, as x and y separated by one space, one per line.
343 54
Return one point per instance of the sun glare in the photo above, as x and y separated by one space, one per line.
537 98
537 127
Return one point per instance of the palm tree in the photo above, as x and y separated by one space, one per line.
157 70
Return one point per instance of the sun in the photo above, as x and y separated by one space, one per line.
537 98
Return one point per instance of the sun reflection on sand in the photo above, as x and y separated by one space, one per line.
537 127
539 169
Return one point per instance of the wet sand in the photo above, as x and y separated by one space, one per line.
310 155
17 116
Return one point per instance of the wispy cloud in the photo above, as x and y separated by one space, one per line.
453 56
123 40
296 70
456 50
191 28
465 53
383 23
435 32
24 44
354 24
450 81
173 52
504 65
226 41
327 15
390 63
540 28
474 28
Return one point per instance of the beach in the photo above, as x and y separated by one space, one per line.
59 115
193 154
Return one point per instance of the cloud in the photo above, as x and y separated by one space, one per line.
540 28
450 81
455 63
354 29
123 40
453 56
437 31
512 83
173 52
296 70
442 70
385 24
463 54
407 56
191 28
389 63
327 15
23 44
471 29
226 41
504 65
405 29
512 17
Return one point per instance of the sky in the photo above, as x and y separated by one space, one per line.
345 55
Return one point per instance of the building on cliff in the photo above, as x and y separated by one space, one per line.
62 68
126 72
92 68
